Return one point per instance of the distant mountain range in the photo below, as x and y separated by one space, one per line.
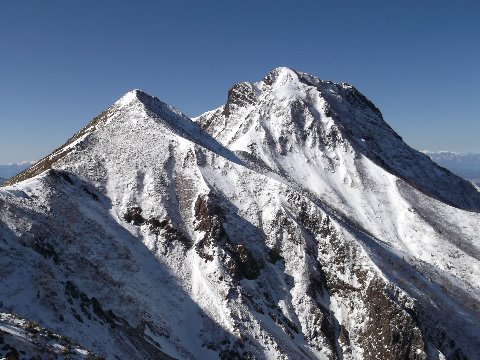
465 165
290 223
9 170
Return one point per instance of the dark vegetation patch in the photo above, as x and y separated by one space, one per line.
168 231
344 336
317 285
235 354
57 174
45 344
134 216
274 255
12 353
245 264
156 226
92 308
311 221
231 350
285 323
44 248
60 174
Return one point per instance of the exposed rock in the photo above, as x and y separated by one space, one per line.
390 331
239 95
134 216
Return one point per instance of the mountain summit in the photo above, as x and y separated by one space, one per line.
290 223
291 115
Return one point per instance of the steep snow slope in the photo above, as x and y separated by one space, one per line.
146 237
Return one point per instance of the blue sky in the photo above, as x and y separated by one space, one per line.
63 62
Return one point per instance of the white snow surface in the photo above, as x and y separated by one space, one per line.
270 228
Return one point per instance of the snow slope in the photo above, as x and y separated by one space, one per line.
35 341
291 223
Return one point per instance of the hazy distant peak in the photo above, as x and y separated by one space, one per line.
12 169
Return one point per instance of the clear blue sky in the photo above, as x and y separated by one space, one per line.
63 62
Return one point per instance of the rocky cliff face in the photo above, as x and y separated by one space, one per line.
291 223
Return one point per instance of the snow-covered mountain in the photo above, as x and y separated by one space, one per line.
9 170
465 165
291 223
2 180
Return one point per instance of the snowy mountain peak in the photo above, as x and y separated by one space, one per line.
290 223
280 75
134 112
128 97
291 117
137 99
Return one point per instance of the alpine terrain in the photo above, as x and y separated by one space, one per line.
290 223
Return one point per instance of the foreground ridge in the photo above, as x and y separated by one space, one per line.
290 223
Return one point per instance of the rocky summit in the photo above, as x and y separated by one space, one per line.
290 223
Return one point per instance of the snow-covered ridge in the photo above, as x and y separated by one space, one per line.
291 223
